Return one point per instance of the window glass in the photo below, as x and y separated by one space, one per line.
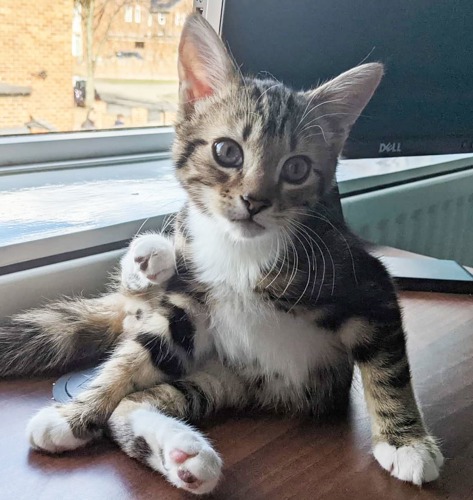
138 14
88 64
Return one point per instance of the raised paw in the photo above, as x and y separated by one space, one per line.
50 431
417 463
182 454
150 260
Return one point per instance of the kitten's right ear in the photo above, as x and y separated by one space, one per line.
204 65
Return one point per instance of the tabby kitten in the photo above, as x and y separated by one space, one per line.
259 299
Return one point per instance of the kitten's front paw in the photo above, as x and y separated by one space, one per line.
150 260
418 463
50 431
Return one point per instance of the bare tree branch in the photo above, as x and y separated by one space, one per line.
112 17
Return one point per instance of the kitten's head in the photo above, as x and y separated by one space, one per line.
253 154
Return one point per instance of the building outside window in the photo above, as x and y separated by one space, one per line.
44 79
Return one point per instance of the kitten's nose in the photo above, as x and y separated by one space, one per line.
253 205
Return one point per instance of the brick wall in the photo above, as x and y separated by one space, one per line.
35 51
157 36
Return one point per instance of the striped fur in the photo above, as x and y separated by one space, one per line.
238 308
61 336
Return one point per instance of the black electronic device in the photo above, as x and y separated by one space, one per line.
425 101
426 274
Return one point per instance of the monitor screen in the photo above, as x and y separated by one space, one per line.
424 104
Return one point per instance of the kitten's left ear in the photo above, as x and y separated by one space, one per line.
340 101
204 64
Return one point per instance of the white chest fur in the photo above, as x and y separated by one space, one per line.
253 333
247 329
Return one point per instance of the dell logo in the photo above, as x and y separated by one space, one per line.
389 147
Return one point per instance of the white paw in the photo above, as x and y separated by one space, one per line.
191 462
181 453
49 431
418 463
150 260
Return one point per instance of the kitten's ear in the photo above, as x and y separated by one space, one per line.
340 101
204 64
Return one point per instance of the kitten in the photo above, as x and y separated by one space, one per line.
259 299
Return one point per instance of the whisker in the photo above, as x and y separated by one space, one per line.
317 118
274 263
305 112
324 267
308 112
328 221
267 90
324 219
141 227
295 264
312 126
308 273
328 251
282 263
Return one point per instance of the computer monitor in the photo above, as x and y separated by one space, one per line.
424 104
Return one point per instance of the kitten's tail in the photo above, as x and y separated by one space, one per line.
60 336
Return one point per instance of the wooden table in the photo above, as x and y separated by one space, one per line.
274 458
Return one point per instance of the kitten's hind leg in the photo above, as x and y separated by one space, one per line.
145 427
177 450
62 427
150 260
147 358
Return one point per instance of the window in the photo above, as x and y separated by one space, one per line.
77 32
71 86
76 45
137 14
72 132
128 14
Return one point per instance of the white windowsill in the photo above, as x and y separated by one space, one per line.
47 212
50 212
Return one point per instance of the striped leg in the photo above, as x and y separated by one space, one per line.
137 363
401 443
146 428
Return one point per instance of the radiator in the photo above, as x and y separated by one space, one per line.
431 216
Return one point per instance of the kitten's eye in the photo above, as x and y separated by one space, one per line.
227 153
296 169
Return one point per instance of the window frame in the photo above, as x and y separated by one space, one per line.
60 151
28 151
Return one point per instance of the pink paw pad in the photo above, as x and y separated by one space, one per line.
184 475
180 456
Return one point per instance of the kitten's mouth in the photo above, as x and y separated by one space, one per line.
248 227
